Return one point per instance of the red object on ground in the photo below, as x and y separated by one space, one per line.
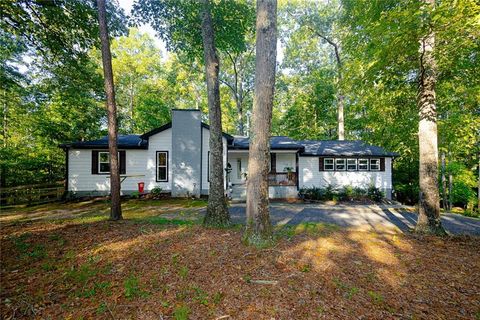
141 186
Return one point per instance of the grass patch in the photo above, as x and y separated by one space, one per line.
376 297
161 221
181 312
183 272
26 249
348 291
309 228
132 288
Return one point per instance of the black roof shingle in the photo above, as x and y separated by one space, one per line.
342 148
305 147
276 143
129 141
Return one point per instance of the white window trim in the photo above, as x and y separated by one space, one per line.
378 164
162 166
367 165
100 162
356 165
338 162
332 164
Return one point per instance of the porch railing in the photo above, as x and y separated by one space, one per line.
282 179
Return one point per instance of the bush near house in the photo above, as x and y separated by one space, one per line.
346 193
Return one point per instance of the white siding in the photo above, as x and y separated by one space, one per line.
161 141
205 163
138 162
311 176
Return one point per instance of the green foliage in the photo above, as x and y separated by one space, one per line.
178 23
377 298
156 191
132 288
183 272
375 193
181 312
463 191
346 193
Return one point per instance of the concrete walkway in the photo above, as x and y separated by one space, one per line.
368 217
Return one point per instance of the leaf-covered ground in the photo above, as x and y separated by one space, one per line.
68 261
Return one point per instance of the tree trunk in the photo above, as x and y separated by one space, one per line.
217 212
340 96
3 167
444 183
116 209
450 187
429 203
341 121
239 103
238 93
132 108
258 229
478 188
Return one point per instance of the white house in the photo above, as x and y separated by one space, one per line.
175 157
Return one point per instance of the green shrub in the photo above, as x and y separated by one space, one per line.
374 193
346 193
135 195
156 191
330 192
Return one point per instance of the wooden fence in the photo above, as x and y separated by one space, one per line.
32 194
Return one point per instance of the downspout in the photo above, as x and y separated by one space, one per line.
201 161
65 193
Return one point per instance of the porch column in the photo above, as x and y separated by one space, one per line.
296 170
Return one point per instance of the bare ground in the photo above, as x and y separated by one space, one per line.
67 261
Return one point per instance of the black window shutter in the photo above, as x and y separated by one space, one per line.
273 162
94 161
123 162
320 164
382 164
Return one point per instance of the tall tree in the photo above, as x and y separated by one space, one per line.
237 76
429 203
258 227
116 208
322 20
217 212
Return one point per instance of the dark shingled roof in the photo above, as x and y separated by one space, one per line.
276 142
342 148
129 141
169 125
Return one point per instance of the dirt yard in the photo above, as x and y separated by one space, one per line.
68 261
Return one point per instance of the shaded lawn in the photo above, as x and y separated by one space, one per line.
68 262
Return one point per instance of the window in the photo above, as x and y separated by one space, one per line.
340 164
374 164
239 169
328 164
103 162
352 164
363 164
162 166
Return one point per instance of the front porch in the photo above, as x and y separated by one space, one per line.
282 178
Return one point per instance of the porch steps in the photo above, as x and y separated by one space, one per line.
239 193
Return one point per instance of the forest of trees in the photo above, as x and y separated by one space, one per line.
352 64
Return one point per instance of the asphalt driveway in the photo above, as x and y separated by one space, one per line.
373 217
